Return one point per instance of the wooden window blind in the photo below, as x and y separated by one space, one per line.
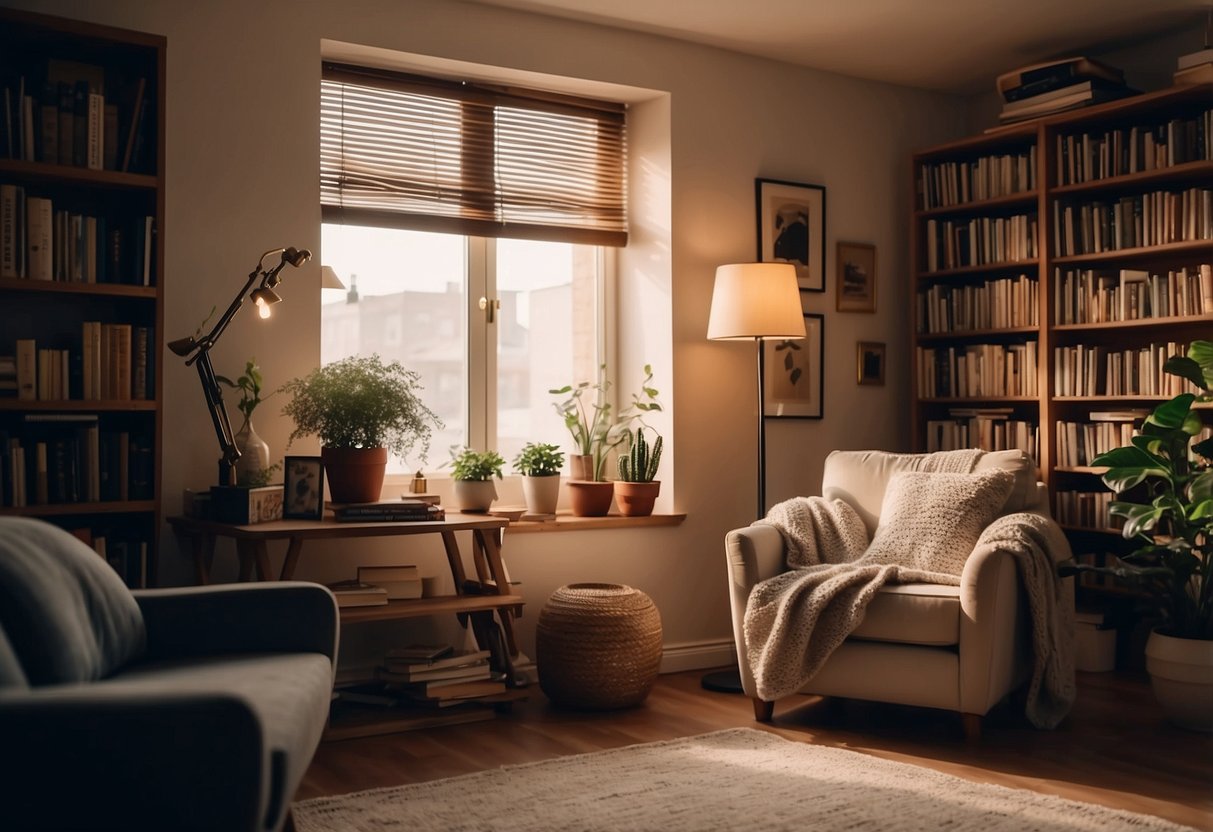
404 151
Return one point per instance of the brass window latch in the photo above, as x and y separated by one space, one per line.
490 307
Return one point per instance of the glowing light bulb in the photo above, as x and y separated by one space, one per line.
263 308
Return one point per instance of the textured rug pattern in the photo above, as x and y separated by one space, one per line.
735 779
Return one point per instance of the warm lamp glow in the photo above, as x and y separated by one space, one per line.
263 308
756 300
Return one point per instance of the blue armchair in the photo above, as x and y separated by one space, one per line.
196 708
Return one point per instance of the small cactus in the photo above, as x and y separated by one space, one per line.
639 463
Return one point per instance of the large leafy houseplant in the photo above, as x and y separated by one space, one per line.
589 417
1172 571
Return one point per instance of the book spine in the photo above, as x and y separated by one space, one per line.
40 257
109 155
8 231
27 369
139 371
49 123
80 124
95 155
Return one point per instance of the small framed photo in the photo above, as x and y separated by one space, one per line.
856 279
793 374
792 229
303 488
870 362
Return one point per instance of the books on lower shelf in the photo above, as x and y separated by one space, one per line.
400 582
1133 221
1094 370
977 370
1111 296
469 670
991 429
411 660
357 594
997 303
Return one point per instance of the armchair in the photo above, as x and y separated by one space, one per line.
960 648
195 708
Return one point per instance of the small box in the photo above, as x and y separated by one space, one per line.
246 506
1094 647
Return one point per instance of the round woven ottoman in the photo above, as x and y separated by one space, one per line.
598 646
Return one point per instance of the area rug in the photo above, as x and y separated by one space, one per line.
740 779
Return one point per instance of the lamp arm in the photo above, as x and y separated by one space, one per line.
215 406
204 344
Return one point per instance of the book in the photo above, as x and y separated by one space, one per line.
94 156
40 225
394 661
1033 109
10 238
406 674
1199 74
456 691
136 111
357 594
376 574
67 131
1204 56
48 112
393 514
27 369
1131 415
420 652
1064 69
1059 93
401 590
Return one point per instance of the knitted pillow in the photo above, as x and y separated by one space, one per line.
931 521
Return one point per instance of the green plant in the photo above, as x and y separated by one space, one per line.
640 462
539 460
470 464
249 386
594 430
1173 570
361 402
259 479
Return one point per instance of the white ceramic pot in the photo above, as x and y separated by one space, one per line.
541 493
475 495
1181 674
254 453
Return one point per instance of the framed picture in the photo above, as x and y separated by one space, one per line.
856 280
792 229
793 377
303 488
870 362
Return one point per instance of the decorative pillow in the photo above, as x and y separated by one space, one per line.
931 521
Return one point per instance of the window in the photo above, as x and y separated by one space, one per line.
471 225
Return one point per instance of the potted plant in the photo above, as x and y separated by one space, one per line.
362 409
596 432
636 489
253 466
1172 571
540 464
473 472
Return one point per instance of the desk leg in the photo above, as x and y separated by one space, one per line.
244 552
261 559
491 548
292 559
203 549
455 560
478 560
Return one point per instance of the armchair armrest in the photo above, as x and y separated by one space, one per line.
754 554
285 616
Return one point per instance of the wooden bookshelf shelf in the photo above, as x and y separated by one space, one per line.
1182 174
80 509
967 271
421 607
1195 248
118 290
74 406
1139 323
969 334
1080 469
47 173
985 206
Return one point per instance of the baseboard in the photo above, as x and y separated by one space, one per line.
698 655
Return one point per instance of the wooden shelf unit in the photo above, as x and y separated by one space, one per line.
45 57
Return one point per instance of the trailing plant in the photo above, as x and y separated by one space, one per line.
259 479
640 462
361 402
539 460
594 430
470 464
1173 570
249 385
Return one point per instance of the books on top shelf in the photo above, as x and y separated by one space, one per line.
354 593
387 511
1055 86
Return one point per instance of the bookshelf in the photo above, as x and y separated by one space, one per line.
81 276
1112 210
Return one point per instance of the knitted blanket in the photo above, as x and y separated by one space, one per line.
794 621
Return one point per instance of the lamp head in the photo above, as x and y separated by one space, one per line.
755 300
265 297
296 256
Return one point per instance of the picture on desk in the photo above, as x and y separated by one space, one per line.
303 497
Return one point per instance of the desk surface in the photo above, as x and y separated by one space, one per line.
329 528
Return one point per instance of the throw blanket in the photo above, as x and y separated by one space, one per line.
794 621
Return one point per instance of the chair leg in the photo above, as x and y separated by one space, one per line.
972 726
763 710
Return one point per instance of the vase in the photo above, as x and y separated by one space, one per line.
475 496
1181 676
355 475
541 493
254 455
590 499
636 499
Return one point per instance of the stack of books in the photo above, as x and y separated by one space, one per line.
1195 67
399 582
1056 86
440 676
404 510
358 594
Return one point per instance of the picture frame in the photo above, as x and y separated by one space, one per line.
792 228
794 373
870 362
303 488
855 280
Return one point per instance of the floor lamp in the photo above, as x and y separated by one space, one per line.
753 302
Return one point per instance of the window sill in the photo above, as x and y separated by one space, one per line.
566 522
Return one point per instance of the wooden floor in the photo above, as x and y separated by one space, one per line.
1115 748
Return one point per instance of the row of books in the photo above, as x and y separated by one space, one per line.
67 114
1087 296
376 585
991 429
942 184
977 370
1150 219
1119 151
67 458
992 304
39 242
955 244
124 549
1078 443
1088 509
113 363
1095 370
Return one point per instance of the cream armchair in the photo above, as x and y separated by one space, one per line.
960 648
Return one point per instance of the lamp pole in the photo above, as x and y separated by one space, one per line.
762 432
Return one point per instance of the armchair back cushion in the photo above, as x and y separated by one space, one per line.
66 615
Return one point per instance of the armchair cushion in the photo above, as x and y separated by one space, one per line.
931 521
925 614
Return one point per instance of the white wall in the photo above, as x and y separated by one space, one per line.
242 158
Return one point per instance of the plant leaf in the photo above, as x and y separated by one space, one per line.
1172 415
1138 518
1130 465
796 373
1204 448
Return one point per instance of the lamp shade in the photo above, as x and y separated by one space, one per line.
756 300
329 279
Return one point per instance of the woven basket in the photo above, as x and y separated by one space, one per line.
598 646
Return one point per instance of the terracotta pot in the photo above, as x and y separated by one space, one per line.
590 499
635 499
355 475
541 493
475 495
1181 675
581 466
